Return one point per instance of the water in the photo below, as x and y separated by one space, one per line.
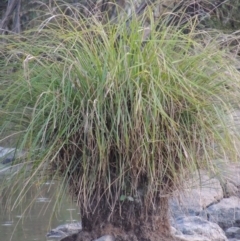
34 217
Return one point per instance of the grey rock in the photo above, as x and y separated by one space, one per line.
199 228
106 238
56 234
175 232
233 232
65 230
70 227
7 155
199 192
227 171
226 213
192 238
8 160
229 189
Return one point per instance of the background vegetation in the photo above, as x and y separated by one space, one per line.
19 15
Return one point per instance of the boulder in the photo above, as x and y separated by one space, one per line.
197 228
198 193
192 238
233 232
7 155
226 213
230 189
65 230
106 238
227 172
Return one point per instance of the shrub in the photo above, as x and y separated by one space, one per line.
117 118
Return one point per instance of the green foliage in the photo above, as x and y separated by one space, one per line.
113 114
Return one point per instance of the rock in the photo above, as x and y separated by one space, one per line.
175 232
197 228
7 155
73 237
226 213
198 193
81 236
56 234
229 189
229 175
8 160
106 238
65 230
233 232
192 238
11 162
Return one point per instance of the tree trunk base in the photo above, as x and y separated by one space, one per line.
119 235
128 220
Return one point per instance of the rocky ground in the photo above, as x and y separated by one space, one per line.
209 208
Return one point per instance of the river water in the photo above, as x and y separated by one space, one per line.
34 216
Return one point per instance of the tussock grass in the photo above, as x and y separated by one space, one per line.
117 117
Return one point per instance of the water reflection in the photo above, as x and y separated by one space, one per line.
33 218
